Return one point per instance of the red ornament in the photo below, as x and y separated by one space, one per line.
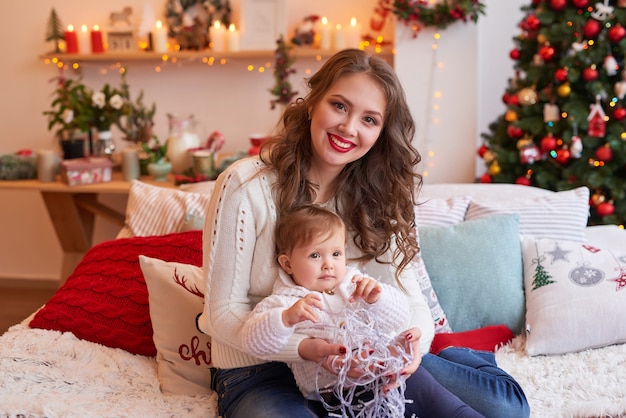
619 113
617 33
591 29
529 154
532 23
515 54
486 178
514 100
562 156
590 74
560 75
605 209
482 150
523 180
604 153
558 5
580 3
514 131
547 53
548 143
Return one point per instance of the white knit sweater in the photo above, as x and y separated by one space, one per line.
240 267
265 333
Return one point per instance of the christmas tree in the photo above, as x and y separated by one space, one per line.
541 277
54 31
565 119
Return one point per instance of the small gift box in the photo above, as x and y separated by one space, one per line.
86 171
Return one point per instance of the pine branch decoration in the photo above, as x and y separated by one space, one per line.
54 31
282 69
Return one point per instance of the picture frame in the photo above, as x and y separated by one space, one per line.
262 22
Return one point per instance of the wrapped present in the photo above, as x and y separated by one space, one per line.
86 170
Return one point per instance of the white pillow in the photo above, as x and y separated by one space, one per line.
153 210
176 297
575 295
441 212
561 215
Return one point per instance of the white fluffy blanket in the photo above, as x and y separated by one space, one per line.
50 374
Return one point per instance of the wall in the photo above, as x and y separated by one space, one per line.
228 98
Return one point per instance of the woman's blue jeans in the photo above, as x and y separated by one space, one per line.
471 374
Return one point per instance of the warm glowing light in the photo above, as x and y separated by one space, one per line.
261 69
164 57
353 22
564 115
318 57
437 35
379 39
223 61
438 94
250 67
435 46
159 24
324 20
436 107
157 69
307 71
75 66
70 28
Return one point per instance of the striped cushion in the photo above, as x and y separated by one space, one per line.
153 210
442 212
561 215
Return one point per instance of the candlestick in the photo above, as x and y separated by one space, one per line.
339 38
353 34
233 38
71 40
217 37
84 43
97 46
159 38
325 35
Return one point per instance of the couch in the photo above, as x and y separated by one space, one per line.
119 337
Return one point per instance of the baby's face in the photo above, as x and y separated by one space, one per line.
319 265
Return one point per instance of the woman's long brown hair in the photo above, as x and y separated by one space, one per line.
375 194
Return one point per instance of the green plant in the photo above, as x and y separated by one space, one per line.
108 107
71 109
138 119
153 151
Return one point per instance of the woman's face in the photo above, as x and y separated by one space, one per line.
346 123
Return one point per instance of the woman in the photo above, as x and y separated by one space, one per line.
347 146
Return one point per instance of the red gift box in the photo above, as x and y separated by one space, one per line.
86 170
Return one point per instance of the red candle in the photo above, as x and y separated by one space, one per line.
97 46
71 40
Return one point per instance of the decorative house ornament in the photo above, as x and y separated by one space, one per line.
596 119
120 34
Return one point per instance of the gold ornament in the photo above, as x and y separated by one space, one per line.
527 96
524 142
510 116
494 169
564 90
489 156
542 39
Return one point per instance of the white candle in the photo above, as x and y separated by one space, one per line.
217 37
325 35
339 38
159 38
233 38
353 34
84 40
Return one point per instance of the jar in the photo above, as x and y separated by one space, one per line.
182 137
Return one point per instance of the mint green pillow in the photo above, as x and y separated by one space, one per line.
476 270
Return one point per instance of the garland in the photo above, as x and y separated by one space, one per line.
420 13
283 67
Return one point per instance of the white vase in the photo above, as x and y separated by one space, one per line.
105 146
181 139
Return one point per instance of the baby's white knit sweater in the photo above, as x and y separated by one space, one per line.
240 268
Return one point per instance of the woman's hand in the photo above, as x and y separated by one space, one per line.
411 342
317 349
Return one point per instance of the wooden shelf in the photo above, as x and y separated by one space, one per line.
141 56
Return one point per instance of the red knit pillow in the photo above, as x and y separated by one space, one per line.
105 300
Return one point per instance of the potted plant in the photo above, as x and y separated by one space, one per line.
72 115
153 159
108 107
138 120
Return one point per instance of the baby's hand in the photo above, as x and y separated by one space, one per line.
367 289
302 310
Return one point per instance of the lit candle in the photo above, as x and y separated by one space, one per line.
84 43
353 34
325 36
339 38
159 38
97 46
71 40
233 38
217 37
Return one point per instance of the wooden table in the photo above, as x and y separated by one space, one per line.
73 210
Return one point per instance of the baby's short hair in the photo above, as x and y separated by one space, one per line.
302 224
